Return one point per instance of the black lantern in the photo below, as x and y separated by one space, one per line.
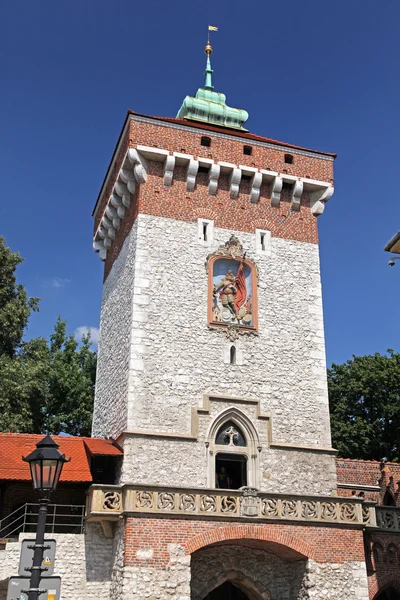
46 463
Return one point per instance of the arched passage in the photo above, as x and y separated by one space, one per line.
234 591
227 591
242 570
389 593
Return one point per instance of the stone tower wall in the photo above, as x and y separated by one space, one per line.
155 312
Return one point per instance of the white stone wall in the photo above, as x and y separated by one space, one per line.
175 359
84 563
335 581
172 583
110 413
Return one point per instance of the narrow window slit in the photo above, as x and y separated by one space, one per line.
205 227
262 239
233 355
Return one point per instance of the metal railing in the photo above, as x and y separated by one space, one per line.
61 518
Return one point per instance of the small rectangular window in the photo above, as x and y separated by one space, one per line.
263 241
289 159
247 150
205 231
205 141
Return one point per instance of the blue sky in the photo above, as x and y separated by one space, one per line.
319 74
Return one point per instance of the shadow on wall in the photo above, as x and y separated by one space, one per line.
3 589
98 554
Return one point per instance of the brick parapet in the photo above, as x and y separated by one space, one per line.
369 473
240 214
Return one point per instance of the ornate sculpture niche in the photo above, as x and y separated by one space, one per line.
232 290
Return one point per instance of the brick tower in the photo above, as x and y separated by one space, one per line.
211 371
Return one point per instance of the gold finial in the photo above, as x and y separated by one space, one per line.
208 49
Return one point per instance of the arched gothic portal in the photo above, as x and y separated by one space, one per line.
227 591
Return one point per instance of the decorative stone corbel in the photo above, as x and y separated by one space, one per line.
169 167
121 212
296 195
276 189
139 165
191 174
234 182
122 190
112 214
319 198
255 187
98 245
213 177
128 178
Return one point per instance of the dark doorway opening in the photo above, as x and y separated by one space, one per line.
230 471
388 594
227 591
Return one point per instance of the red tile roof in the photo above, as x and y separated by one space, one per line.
100 446
13 446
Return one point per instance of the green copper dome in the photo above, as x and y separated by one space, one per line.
209 106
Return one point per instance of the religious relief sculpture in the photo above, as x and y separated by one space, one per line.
232 287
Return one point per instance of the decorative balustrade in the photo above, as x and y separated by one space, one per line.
109 502
388 518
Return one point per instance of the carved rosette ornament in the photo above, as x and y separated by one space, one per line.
112 501
232 290
250 503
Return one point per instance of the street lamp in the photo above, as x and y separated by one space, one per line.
46 463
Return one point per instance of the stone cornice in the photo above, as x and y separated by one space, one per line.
134 169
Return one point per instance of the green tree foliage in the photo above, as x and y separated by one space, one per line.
364 398
45 386
15 306
71 383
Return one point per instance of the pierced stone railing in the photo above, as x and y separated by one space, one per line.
388 518
109 502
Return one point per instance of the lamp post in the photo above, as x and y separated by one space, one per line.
46 463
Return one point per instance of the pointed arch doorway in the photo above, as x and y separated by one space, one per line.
227 591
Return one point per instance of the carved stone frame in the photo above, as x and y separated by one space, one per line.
251 451
232 250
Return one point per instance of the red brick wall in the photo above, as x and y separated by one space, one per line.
383 565
323 544
229 150
369 472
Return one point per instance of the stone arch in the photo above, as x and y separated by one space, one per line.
254 588
251 450
283 543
